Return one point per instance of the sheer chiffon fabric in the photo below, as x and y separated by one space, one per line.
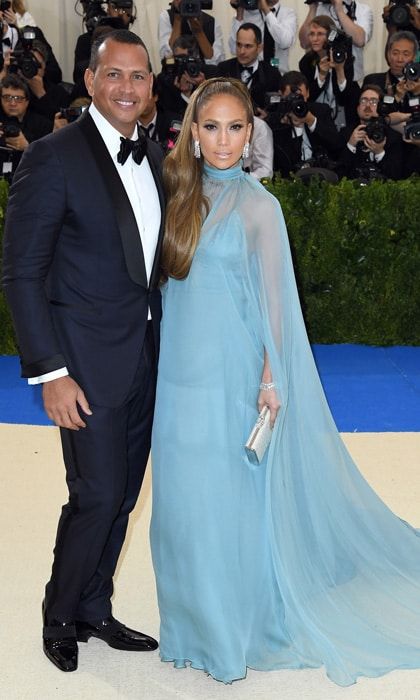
297 562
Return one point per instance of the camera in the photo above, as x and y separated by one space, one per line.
22 58
387 105
177 65
376 129
340 44
5 5
193 8
291 104
92 13
11 129
248 4
71 113
412 127
411 71
399 14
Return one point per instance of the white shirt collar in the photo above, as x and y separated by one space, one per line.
110 135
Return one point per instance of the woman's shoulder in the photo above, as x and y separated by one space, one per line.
258 204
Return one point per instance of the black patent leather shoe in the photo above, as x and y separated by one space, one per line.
116 635
60 644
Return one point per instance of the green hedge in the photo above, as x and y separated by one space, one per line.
357 258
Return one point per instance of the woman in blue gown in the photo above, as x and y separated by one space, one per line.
295 562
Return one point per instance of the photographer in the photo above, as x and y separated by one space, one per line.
71 113
303 131
181 74
277 23
9 33
402 14
351 16
400 51
259 76
119 15
371 149
46 97
328 66
19 125
17 14
203 27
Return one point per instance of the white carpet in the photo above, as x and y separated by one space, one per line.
32 491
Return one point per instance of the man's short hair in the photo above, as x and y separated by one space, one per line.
374 88
121 36
188 43
253 27
16 83
399 36
294 79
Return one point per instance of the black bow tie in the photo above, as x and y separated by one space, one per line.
7 41
137 149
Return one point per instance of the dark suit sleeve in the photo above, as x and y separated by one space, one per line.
325 133
36 210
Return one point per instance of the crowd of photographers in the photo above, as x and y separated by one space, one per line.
325 117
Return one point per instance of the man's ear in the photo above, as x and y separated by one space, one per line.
89 75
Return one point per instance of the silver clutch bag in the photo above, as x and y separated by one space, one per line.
259 437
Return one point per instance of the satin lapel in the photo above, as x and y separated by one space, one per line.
156 168
130 237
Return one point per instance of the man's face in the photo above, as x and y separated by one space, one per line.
121 84
368 105
247 49
300 90
399 54
14 102
124 12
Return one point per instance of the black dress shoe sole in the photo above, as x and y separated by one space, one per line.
114 644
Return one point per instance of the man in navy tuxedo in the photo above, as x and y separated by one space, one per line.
81 270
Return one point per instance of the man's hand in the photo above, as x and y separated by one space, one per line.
61 398
415 16
357 135
373 146
19 143
36 85
59 121
239 10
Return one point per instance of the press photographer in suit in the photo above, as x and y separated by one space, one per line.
303 131
81 270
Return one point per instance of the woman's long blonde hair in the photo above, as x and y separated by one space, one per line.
182 174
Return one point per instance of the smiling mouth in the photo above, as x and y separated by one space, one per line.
125 103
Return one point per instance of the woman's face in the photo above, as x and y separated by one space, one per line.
317 38
222 130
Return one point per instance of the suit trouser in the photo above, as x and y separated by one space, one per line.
105 464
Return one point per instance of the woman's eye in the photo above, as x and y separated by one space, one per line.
209 127
237 127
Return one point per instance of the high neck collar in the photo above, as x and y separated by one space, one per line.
218 174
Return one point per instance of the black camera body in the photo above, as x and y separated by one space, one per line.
411 71
340 44
22 59
248 4
376 129
399 14
412 127
193 8
11 128
282 106
72 113
92 13
387 105
5 5
178 65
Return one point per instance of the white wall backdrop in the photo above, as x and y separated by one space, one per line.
61 25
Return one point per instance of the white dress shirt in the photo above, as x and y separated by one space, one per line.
282 24
165 31
260 159
364 19
141 190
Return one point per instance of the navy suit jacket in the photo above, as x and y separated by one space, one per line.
74 272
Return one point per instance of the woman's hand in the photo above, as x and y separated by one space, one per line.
268 397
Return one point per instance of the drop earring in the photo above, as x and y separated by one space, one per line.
197 150
245 152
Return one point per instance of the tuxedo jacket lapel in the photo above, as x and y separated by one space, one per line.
130 237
